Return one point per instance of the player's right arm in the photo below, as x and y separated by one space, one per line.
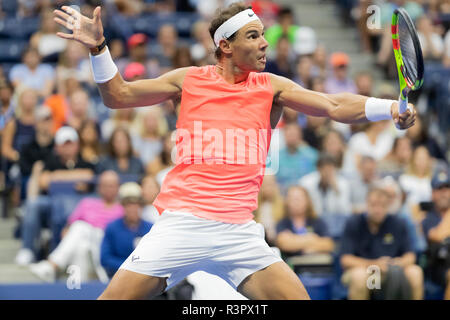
116 92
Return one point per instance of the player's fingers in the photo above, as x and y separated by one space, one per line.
97 14
65 24
63 35
61 14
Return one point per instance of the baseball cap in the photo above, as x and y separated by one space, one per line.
339 59
130 191
42 112
305 41
65 134
440 179
136 39
134 69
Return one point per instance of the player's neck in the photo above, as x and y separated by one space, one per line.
231 73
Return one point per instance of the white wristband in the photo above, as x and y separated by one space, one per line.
103 67
378 109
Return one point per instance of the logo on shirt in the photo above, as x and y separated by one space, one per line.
134 258
388 238
251 14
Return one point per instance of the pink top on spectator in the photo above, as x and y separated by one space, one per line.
94 212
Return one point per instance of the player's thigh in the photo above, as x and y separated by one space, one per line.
276 281
129 285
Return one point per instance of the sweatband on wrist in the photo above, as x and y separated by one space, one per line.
103 67
378 109
229 27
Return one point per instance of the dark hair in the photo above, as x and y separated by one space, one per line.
223 15
285 11
110 147
325 159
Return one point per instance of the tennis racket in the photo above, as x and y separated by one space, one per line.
408 56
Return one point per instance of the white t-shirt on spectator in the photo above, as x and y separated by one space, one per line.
436 39
360 144
416 189
331 202
33 80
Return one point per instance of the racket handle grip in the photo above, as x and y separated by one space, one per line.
402 105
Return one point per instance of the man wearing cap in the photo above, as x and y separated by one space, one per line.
122 235
207 199
436 228
339 81
63 164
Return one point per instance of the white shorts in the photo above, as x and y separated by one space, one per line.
179 244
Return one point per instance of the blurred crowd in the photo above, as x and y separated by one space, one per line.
81 178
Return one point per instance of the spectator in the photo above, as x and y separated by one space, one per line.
333 143
446 57
304 72
134 71
270 207
126 118
63 164
378 239
360 185
329 191
33 74
73 62
149 142
282 62
182 58
79 110
375 141
397 207
339 81
364 83
431 42
167 45
395 162
138 52
45 39
305 43
41 145
315 130
296 159
90 148
150 189
81 241
418 134
320 59
20 131
417 178
302 231
123 235
202 51
164 162
436 227
120 157
284 27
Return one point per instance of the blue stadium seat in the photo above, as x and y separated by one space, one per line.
15 28
11 50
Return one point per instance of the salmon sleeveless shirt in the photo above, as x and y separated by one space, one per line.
222 140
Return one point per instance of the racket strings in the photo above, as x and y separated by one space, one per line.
408 50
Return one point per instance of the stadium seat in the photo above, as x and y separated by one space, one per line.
16 28
11 50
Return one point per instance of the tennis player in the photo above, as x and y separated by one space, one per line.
207 199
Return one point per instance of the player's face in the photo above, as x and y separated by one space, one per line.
249 47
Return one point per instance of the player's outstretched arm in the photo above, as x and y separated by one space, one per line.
341 107
115 91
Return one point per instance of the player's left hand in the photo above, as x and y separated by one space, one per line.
406 119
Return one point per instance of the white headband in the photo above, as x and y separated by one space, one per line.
229 27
